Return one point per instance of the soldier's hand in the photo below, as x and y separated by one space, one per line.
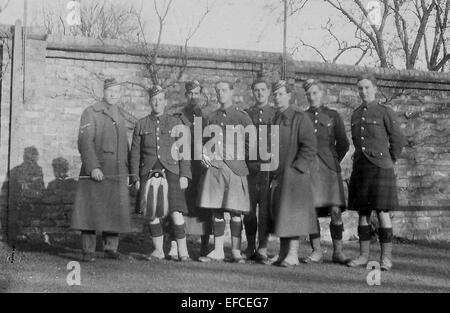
137 185
183 183
206 161
97 174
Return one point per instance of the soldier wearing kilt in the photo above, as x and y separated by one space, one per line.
332 146
198 220
102 201
161 171
262 115
291 193
224 186
378 142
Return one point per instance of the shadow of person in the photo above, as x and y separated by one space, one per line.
25 187
61 190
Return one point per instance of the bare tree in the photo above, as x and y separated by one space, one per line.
423 10
4 6
342 46
373 33
4 45
155 69
404 26
438 56
99 19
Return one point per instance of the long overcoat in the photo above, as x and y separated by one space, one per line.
102 143
292 202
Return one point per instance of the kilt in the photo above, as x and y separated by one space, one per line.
176 197
198 220
372 187
328 189
221 188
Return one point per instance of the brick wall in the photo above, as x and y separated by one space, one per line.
63 77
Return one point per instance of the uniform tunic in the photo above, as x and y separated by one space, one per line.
378 142
292 201
198 220
153 140
258 181
332 145
224 185
103 144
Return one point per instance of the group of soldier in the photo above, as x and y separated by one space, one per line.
180 196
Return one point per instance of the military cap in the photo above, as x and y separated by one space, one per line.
280 84
312 82
371 77
191 85
110 82
155 90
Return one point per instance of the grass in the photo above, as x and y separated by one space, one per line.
42 268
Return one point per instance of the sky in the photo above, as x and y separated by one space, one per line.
231 24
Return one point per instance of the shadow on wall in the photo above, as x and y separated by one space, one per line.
35 210
31 205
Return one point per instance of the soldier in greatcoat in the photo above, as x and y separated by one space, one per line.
102 201
290 184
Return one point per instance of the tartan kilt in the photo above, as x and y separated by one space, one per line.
176 197
372 187
328 189
198 220
222 189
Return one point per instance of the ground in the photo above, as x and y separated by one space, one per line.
38 267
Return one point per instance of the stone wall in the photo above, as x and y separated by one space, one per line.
63 76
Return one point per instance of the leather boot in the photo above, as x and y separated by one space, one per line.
364 247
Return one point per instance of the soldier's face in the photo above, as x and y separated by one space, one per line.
158 103
194 96
224 93
314 95
281 98
367 90
261 93
112 94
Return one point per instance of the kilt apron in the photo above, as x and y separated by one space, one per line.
221 188
167 195
328 189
